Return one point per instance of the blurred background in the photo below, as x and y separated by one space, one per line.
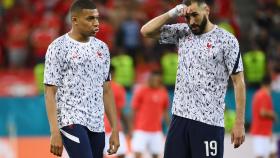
27 27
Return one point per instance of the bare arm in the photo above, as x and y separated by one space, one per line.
131 122
268 114
238 133
56 140
126 121
111 113
152 28
166 117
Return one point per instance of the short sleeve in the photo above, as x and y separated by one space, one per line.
107 74
170 34
232 55
166 99
53 66
137 98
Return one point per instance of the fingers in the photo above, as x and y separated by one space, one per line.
186 11
56 150
176 11
182 11
238 141
114 146
232 138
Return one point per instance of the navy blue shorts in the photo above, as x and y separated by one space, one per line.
187 138
80 142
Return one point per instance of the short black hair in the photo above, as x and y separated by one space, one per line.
112 69
199 2
79 5
156 73
266 80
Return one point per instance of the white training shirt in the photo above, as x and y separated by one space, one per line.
79 70
205 64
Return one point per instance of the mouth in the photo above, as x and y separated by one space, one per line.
94 31
195 28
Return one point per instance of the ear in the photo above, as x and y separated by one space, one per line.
74 20
207 9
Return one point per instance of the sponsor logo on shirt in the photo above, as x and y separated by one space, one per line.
99 54
209 45
74 55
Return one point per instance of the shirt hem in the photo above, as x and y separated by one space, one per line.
205 122
92 130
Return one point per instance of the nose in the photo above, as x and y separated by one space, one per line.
96 22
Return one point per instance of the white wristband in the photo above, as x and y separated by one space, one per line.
175 12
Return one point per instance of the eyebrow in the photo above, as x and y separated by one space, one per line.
192 14
92 17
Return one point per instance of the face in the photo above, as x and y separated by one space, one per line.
155 81
197 18
86 22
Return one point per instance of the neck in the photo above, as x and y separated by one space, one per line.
78 36
209 27
267 89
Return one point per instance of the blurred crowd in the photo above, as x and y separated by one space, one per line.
263 56
29 26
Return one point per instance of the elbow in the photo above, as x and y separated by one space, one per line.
144 32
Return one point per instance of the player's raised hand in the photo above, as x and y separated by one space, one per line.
114 143
177 11
56 144
238 135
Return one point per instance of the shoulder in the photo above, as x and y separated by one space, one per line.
178 26
142 89
55 49
164 90
97 42
260 94
101 46
58 42
181 25
226 36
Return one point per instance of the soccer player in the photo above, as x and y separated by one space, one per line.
208 56
77 88
150 106
119 96
262 121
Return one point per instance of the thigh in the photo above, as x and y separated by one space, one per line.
97 142
155 143
76 141
261 146
206 140
176 144
139 141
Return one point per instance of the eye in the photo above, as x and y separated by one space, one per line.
187 17
194 15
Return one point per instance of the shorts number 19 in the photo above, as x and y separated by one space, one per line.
212 145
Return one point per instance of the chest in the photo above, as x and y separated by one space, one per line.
84 58
201 50
154 98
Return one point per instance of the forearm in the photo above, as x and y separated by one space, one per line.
240 99
268 114
131 120
110 109
51 109
152 28
167 118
